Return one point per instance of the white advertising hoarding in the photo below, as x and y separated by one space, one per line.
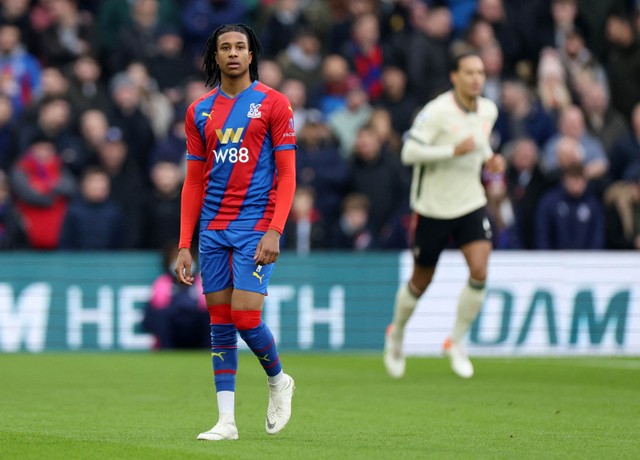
538 303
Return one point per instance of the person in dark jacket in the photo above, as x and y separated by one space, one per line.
570 216
93 221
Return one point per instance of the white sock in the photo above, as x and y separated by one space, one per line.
275 379
226 406
406 302
469 304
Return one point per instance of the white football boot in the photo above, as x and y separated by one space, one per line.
394 360
279 409
460 363
224 430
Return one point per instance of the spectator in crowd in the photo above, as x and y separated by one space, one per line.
54 122
176 314
572 124
526 183
380 177
552 86
7 131
569 216
320 165
302 59
336 79
427 56
352 231
200 17
270 72
16 12
12 232
154 104
93 221
296 92
622 208
71 34
284 19
603 121
86 89
521 115
162 210
344 16
19 70
42 187
396 100
583 68
93 126
114 15
138 38
623 63
127 114
169 66
174 147
380 122
492 58
500 211
304 231
625 154
364 52
127 187
346 122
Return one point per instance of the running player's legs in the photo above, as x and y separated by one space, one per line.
473 235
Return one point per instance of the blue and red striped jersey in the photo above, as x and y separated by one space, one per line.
238 137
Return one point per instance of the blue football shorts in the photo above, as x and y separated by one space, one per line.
226 259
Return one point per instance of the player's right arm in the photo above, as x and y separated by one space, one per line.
419 146
191 199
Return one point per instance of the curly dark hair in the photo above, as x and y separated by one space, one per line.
210 66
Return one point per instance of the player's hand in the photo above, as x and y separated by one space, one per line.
466 146
268 248
495 164
183 267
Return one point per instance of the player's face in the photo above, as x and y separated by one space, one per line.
233 55
469 79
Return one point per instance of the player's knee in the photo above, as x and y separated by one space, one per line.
246 319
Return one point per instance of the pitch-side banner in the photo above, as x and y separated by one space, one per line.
538 303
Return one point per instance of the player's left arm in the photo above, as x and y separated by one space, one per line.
284 139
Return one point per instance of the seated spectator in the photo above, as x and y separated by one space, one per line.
12 232
396 100
7 132
572 124
335 81
552 88
128 188
622 210
625 154
162 210
86 89
521 115
346 122
173 148
381 178
526 183
603 121
42 188
320 166
176 314
352 230
93 221
302 59
570 216
284 18
304 230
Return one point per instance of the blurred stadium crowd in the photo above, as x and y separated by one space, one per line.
93 96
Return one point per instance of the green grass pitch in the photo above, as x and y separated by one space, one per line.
152 405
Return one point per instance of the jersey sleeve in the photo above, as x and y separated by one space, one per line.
283 135
419 145
195 143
